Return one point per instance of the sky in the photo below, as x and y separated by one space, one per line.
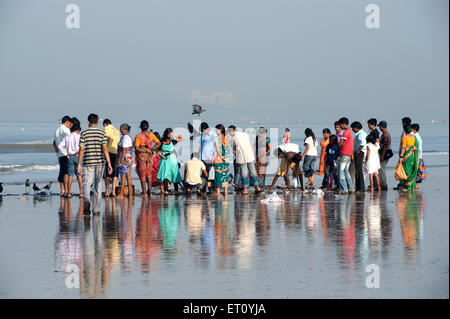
260 60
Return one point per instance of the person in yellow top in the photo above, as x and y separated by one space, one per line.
145 144
113 136
409 157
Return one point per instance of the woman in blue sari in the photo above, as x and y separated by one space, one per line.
221 159
168 171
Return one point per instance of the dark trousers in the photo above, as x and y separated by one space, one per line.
359 177
62 168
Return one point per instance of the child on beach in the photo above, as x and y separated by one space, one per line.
331 162
69 147
373 161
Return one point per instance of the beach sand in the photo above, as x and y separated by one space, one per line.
180 247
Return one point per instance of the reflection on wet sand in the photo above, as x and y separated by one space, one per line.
410 208
228 234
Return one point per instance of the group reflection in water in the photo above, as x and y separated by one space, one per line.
227 234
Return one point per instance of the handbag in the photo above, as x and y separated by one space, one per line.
388 155
400 173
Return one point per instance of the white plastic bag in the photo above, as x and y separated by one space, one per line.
272 198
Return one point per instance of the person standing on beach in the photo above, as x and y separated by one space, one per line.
245 158
125 160
262 150
372 124
338 130
70 147
359 154
144 156
385 153
287 136
309 156
331 162
62 131
93 151
221 159
406 122
346 145
422 173
207 147
113 137
323 145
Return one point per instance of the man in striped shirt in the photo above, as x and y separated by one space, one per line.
93 151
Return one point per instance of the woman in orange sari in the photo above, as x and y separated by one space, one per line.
323 145
144 156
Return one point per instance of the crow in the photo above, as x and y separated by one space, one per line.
35 188
48 186
27 185
197 109
1 188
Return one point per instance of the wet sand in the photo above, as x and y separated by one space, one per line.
180 247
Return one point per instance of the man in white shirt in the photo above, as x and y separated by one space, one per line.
60 134
193 174
245 158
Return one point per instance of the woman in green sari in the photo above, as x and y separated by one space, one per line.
221 159
409 157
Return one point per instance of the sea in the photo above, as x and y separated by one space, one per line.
26 150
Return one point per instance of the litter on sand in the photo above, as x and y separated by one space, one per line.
272 198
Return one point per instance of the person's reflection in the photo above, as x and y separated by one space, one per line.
222 230
290 215
262 224
69 245
373 221
244 227
346 234
168 214
93 277
208 243
409 213
111 237
148 235
126 234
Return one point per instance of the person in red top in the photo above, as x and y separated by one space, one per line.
346 145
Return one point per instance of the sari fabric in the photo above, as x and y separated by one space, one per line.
168 168
222 168
144 154
323 146
411 164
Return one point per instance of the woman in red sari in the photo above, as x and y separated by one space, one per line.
144 156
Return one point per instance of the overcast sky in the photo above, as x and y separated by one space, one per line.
277 60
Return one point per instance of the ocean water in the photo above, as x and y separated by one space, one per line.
26 151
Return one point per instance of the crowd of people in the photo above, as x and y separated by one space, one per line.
94 155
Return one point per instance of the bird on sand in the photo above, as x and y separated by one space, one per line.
27 185
1 188
35 188
48 186
197 109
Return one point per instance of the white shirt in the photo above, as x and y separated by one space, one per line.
312 150
60 134
126 141
70 145
244 150
290 147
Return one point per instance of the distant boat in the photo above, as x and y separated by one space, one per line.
434 121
